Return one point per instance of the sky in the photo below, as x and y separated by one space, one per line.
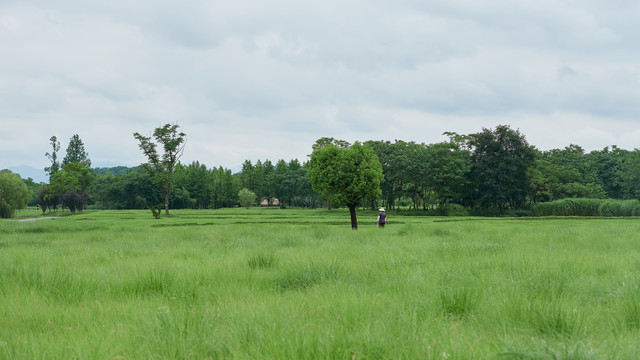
257 80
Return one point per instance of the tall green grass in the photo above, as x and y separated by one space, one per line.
286 284
588 207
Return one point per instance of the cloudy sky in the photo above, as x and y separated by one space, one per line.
265 79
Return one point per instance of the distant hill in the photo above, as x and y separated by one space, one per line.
38 175
115 170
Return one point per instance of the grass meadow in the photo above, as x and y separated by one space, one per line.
300 284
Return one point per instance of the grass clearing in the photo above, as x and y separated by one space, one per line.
273 283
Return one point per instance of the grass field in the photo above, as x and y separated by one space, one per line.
300 284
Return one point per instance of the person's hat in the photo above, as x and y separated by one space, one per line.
381 209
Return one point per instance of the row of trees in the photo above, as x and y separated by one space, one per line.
494 170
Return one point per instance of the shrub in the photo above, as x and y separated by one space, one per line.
588 207
452 210
14 194
246 197
156 210
569 207
620 208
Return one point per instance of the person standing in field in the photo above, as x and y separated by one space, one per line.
382 218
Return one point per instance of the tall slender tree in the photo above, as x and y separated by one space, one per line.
161 167
76 152
53 157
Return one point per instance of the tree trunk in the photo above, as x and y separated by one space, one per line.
166 204
354 220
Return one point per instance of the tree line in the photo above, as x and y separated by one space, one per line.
494 171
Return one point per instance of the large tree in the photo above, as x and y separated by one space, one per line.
161 167
53 157
14 193
500 160
76 152
70 185
346 175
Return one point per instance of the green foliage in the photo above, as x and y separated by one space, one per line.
74 201
196 182
155 211
69 186
630 175
308 276
263 261
346 176
452 210
569 207
588 207
459 301
285 284
613 207
14 194
76 153
500 160
133 190
246 198
53 157
117 170
161 167
225 188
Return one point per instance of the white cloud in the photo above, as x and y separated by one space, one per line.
256 80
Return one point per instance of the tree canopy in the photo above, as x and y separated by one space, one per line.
14 193
76 152
500 160
346 175
161 167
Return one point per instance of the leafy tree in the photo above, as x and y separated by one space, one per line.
74 201
47 200
346 175
500 160
76 152
133 190
606 165
53 157
14 193
196 180
630 175
449 168
283 185
161 168
246 197
324 141
34 190
565 173
225 188
73 176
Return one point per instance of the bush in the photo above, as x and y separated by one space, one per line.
14 193
569 207
518 213
247 198
452 210
620 208
484 212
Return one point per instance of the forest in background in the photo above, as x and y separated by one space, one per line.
491 172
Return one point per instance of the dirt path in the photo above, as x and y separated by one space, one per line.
33 219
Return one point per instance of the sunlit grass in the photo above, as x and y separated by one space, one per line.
272 283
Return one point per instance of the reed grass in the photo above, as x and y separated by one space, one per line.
285 284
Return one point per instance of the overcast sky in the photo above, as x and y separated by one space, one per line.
265 79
